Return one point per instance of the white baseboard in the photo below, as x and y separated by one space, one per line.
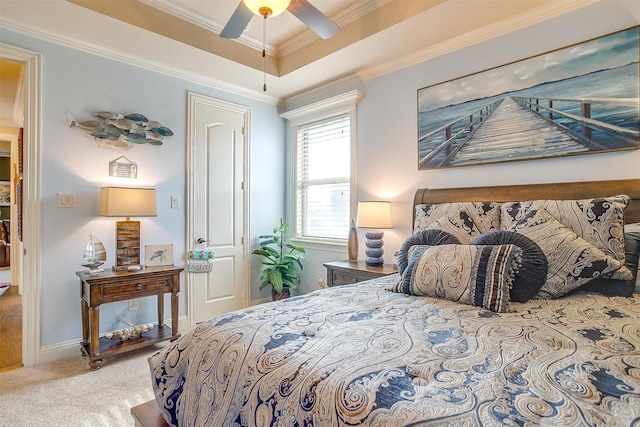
65 350
260 301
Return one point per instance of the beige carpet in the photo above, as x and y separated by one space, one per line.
66 393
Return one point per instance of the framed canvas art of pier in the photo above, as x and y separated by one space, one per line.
581 99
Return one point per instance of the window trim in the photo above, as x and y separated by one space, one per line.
341 104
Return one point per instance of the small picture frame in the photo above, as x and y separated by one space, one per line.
155 255
5 193
123 168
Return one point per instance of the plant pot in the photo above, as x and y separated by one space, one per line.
286 293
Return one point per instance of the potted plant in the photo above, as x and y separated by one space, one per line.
283 261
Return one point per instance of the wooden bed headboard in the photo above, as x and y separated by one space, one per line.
559 191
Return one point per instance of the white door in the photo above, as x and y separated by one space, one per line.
217 213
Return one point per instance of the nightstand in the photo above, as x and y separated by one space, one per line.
112 286
346 272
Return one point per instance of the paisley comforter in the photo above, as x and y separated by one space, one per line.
361 355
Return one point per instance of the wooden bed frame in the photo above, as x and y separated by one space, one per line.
148 414
559 191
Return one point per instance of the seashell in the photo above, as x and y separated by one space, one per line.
108 335
150 325
117 334
136 117
121 123
163 130
154 142
105 114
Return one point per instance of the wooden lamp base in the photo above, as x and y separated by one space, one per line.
127 245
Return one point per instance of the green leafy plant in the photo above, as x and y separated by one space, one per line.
283 260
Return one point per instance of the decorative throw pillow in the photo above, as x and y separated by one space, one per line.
458 223
486 215
632 253
615 287
534 268
424 237
599 221
473 275
572 260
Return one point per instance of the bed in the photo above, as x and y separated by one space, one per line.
380 353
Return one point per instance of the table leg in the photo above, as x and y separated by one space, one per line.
160 310
94 337
84 307
84 310
174 315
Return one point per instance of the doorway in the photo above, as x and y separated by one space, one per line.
10 292
25 228
11 121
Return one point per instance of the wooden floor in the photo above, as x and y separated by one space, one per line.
10 329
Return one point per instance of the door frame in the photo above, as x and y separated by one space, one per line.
30 200
193 100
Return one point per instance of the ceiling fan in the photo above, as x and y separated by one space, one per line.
301 9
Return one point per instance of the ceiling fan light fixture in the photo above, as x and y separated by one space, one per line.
266 8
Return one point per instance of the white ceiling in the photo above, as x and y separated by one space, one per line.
180 37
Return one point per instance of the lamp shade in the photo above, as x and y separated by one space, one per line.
276 7
127 202
375 214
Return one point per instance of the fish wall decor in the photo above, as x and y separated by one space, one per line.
122 131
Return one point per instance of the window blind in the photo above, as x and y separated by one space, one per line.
323 178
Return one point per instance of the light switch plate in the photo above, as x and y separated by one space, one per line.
66 200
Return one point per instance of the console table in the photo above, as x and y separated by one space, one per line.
112 286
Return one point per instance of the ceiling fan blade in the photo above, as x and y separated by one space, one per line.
237 23
313 18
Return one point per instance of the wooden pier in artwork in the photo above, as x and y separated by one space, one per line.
524 127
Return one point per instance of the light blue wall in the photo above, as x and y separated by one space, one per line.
76 83
73 85
387 126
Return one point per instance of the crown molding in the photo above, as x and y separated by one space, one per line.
474 37
448 46
321 91
9 123
136 61
342 18
196 18
345 101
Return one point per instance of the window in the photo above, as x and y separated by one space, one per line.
324 145
323 178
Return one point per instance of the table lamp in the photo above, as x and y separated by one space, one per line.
127 202
375 215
